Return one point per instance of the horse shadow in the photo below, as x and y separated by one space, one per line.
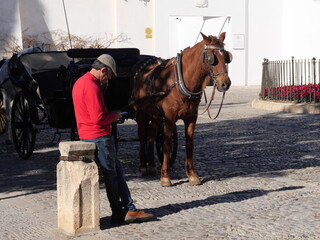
175 208
232 197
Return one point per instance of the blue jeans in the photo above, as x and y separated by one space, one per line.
112 170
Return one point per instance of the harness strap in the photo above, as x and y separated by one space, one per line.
183 89
155 73
154 98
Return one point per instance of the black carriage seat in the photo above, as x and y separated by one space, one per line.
53 90
44 68
56 98
21 78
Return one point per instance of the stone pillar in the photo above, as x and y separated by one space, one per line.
78 188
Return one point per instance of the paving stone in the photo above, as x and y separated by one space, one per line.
260 171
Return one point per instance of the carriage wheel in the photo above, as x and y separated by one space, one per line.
23 130
3 121
159 144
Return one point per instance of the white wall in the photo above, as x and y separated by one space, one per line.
279 30
133 17
168 9
301 29
258 29
265 34
105 19
10 23
40 16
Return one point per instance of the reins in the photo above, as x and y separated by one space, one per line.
211 99
213 78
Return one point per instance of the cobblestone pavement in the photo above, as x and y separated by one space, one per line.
260 173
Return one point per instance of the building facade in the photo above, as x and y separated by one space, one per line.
256 29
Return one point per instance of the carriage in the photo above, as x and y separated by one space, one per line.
41 83
155 92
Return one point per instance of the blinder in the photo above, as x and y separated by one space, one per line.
210 57
227 56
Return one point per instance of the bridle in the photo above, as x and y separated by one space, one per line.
207 58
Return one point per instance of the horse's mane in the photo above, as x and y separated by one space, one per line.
215 40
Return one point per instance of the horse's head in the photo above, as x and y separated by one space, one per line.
216 60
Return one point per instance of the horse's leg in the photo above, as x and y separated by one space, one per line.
167 146
189 134
152 133
141 121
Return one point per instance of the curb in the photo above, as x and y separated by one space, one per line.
306 108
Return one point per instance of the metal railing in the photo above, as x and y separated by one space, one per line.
295 80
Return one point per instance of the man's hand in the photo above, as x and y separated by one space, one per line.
118 115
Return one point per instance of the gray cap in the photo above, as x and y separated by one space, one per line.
107 60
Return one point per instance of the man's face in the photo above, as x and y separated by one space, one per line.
105 75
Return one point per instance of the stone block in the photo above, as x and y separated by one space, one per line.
78 189
77 148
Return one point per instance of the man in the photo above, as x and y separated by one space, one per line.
94 125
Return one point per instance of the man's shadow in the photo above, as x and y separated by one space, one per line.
169 209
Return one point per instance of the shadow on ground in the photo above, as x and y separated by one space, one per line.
223 149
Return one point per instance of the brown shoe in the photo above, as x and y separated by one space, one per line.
137 216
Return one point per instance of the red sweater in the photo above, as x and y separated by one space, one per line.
93 118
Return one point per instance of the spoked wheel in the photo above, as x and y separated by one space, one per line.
3 121
23 130
159 144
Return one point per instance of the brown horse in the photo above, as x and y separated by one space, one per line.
170 90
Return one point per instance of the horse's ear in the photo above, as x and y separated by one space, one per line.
222 36
204 37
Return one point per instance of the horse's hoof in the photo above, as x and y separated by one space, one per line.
165 182
194 181
151 171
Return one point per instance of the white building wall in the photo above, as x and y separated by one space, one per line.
301 29
95 18
235 9
135 18
10 24
265 36
257 29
